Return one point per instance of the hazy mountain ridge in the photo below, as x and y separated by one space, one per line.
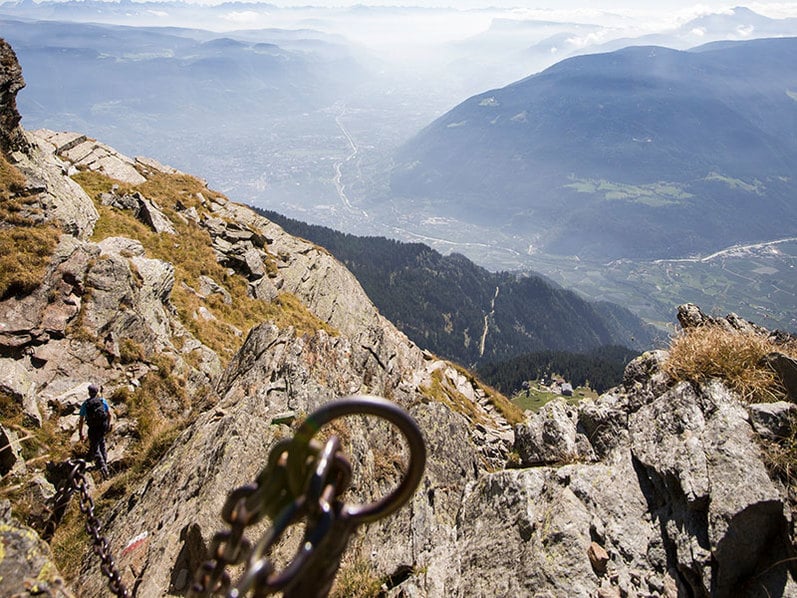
458 310
634 153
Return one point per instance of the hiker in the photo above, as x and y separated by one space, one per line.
97 414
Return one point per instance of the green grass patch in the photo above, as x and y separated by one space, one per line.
755 187
535 397
654 194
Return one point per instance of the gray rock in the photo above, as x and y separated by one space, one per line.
151 215
254 263
20 386
605 424
786 369
69 401
97 156
774 421
690 316
122 246
208 286
151 164
11 461
11 82
129 202
61 199
644 380
549 436
723 515
27 567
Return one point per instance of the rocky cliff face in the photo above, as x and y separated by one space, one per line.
655 489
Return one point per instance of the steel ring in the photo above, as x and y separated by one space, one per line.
384 409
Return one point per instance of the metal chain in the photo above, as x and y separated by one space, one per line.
77 481
303 480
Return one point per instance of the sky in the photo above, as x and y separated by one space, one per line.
635 7
403 32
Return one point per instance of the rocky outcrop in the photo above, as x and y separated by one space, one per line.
26 564
59 199
11 81
680 501
82 152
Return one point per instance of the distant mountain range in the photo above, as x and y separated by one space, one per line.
169 91
460 311
641 152
513 48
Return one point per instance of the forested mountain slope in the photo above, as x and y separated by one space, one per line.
463 312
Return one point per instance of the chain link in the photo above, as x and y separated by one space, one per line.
77 481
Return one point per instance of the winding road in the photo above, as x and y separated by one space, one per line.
341 188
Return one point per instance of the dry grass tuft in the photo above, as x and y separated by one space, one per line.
780 457
71 544
713 352
357 579
511 412
12 181
24 256
443 391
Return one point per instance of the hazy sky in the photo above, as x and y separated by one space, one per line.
635 7
414 29
473 16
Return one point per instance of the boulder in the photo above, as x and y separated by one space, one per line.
773 421
20 387
151 215
722 514
550 436
786 369
122 246
60 198
128 201
208 286
604 422
93 155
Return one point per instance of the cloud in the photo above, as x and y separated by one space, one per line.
745 30
244 17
